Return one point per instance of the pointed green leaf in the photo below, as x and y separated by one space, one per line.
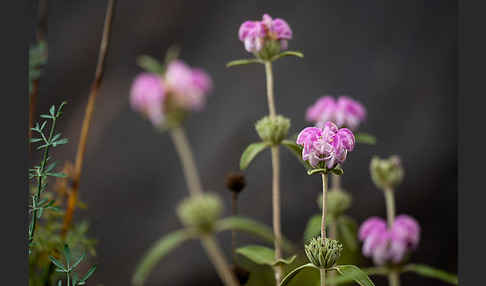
88 274
52 110
250 226
296 271
67 255
365 138
263 255
287 53
75 264
296 149
352 272
59 283
428 271
57 263
348 230
150 64
160 249
250 153
313 227
338 171
316 171
243 62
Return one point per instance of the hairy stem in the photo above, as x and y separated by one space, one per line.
335 187
277 232
185 154
324 202
78 165
216 256
336 183
393 278
393 275
270 97
323 276
390 207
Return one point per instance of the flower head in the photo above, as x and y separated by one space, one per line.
344 112
257 34
165 97
147 96
329 144
387 245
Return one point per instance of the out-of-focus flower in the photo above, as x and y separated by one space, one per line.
167 97
386 173
147 96
258 34
328 144
344 112
386 245
188 86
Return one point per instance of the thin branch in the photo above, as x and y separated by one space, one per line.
78 165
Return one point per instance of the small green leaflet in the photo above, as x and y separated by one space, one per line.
296 271
365 138
428 271
263 255
251 152
352 272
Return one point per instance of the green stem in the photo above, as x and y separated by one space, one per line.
324 202
323 276
276 176
390 206
393 278
40 182
216 256
185 154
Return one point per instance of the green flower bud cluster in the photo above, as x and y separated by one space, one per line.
337 203
323 253
200 211
270 49
386 173
273 130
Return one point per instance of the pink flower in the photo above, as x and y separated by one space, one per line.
389 245
254 34
147 96
328 144
345 112
188 86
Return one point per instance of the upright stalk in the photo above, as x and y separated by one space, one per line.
105 41
185 154
335 187
393 276
234 212
277 232
323 222
216 256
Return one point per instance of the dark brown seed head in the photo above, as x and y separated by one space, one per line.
235 182
241 274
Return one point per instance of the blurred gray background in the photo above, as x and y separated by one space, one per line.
397 57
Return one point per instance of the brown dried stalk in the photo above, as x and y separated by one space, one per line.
78 165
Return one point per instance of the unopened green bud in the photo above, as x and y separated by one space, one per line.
323 253
270 49
337 202
386 173
200 211
273 130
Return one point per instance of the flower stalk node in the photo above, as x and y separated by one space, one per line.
323 253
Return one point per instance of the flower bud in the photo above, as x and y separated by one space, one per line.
337 202
323 253
200 211
273 130
235 182
386 173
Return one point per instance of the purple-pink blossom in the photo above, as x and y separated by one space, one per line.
254 34
344 112
385 245
185 87
329 145
147 96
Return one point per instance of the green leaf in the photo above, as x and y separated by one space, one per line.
296 271
150 64
263 255
431 272
58 175
352 272
365 138
160 249
348 230
313 227
59 283
250 153
172 54
57 263
67 255
296 149
88 274
317 170
243 62
287 53
250 226
52 111
337 171
75 264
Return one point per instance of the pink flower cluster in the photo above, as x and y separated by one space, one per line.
254 34
328 144
344 111
389 245
185 86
